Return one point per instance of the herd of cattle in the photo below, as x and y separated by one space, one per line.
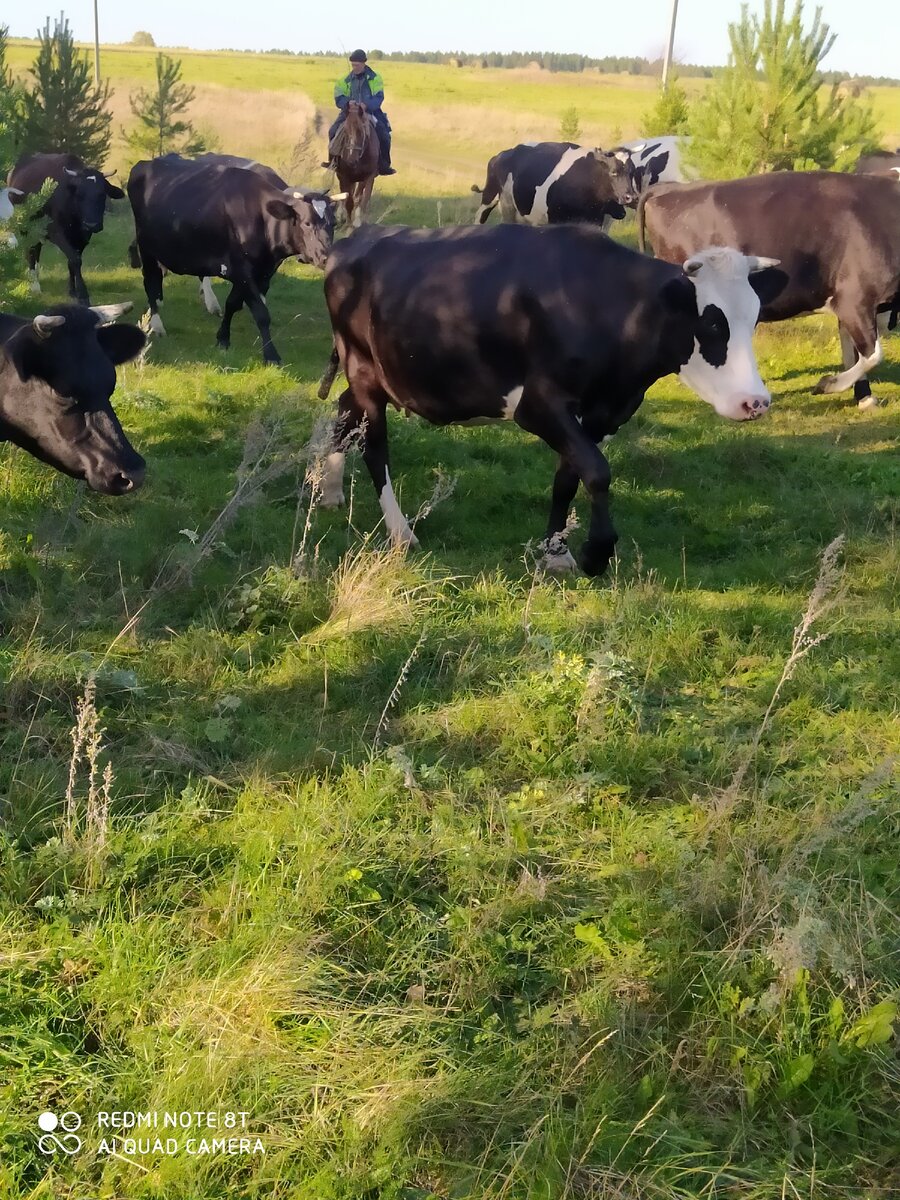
542 319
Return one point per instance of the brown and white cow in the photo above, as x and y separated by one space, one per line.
837 238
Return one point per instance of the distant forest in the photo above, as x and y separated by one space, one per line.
612 64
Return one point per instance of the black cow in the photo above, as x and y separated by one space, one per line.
561 330
75 209
57 373
837 236
550 183
880 162
209 219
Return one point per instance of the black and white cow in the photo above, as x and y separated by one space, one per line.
837 237
561 330
653 161
75 208
551 183
208 219
57 374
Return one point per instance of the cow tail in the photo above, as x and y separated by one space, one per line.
641 222
327 379
476 187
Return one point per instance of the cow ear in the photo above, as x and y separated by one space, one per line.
680 295
120 343
280 211
114 193
22 352
768 283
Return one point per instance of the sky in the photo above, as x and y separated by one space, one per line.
868 30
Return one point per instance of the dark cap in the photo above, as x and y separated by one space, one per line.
357 56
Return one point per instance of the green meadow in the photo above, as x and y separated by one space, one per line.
462 882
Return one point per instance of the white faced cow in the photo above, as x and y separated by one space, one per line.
561 330
551 183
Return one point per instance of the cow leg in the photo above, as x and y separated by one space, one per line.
209 298
153 286
77 289
557 557
862 341
34 260
365 403
259 310
234 302
548 417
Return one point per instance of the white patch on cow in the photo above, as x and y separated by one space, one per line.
896 171
720 276
208 296
92 178
531 143
331 485
321 207
156 325
397 525
511 402
508 212
675 171
34 282
538 214
846 379
223 270
6 205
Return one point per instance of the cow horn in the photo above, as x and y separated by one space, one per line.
69 171
692 265
111 173
14 192
755 263
342 196
111 312
42 324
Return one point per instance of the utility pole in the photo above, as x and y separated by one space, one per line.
667 62
97 46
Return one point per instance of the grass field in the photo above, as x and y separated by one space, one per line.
462 882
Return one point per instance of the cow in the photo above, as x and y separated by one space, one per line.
837 236
74 210
551 183
561 330
207 295
653 161
880 162
57 374
208 219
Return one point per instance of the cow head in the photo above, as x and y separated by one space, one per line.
85 192
55 402
717 292
310 220
621 176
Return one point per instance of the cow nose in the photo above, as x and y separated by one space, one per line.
127 481
755 406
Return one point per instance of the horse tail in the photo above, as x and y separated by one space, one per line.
327 379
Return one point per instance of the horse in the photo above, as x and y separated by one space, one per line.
354 149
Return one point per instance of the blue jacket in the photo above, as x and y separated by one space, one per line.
367 87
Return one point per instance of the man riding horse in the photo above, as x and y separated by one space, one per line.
367 88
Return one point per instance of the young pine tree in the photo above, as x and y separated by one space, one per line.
669 115
765 112
63 110
159 128
570 126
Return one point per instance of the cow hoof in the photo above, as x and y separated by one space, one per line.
556 558
332 500
867 402
272 360
156 325
223 346
34 287
826 385
595 560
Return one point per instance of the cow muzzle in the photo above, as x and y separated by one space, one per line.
749 408
119 482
